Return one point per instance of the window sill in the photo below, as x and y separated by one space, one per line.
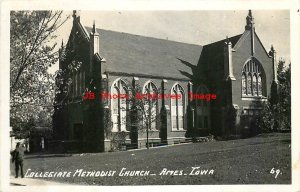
153 130
254 98
178 130
120 131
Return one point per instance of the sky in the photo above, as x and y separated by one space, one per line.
195 27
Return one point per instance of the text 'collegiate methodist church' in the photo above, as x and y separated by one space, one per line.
238 71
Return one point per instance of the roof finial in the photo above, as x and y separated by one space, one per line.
272 48
94 28
62 43
76 15
249 21
272 52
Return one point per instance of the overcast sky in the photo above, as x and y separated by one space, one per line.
195 27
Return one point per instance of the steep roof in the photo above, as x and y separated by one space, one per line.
134 54
219 45
211 64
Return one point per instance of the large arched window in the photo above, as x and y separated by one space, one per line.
177 107
150 106
119 105
252 81
202 109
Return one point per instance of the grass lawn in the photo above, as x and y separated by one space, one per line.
243 161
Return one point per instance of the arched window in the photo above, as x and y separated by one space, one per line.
252 82
203 109
177 107
119 105
150 106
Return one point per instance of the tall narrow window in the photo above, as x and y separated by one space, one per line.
119 105
255 91
78 83
73 85
244 91
252 82
174 114
177 107
83 81
249 84
150 106
259 85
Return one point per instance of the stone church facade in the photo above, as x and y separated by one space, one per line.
238 70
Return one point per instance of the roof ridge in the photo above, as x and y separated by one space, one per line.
144 36
219 41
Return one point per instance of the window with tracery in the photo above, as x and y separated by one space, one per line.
119 105
177 107
150 106
252 82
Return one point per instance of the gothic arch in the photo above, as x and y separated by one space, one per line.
177 107
119 105
150 106
253 79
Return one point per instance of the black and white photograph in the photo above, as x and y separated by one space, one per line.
149 98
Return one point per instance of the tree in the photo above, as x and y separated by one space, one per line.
32 52
142 116
144 107
277 116
283 106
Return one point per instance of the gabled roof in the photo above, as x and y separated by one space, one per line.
237 41
134 54
212 56
219 45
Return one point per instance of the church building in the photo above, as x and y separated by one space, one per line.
216 89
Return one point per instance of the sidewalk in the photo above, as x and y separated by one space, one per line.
44 155
31 182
